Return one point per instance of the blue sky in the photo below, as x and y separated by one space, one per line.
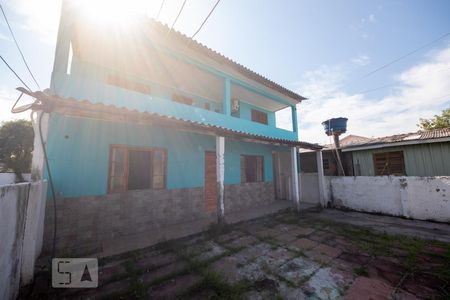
319 49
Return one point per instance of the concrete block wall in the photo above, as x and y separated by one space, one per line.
247 195
110 224
114 223
422 198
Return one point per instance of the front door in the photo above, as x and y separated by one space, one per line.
210 181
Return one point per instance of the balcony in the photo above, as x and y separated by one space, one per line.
80 88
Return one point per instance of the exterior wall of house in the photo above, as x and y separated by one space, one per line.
420 160
78 151
246 113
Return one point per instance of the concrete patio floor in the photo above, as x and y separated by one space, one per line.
313 255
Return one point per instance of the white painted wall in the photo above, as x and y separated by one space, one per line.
10 178
422 198
21 231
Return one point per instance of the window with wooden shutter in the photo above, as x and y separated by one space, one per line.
252 168
159 168
117 169
389 163
136 168
259 116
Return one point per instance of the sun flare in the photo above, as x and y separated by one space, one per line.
113 12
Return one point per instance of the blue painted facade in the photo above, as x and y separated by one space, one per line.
78 151
78 148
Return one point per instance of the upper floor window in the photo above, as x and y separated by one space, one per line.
128 84
252 168
389 163
133 168
182 99
259 116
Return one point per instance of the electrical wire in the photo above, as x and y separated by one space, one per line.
160 9
50 180
404 56
18 47
206 19
12 70
176 19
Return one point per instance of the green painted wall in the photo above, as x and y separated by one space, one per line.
420 160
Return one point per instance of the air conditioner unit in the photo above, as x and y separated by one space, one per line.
235 105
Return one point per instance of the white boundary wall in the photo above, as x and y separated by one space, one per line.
22 210
422 198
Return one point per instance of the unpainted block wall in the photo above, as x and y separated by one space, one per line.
114 223
248 195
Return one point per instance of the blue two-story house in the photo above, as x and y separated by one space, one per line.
152 136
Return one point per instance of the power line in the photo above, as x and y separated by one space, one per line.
12 70
176 19
160 9
18 48
206 19
406 55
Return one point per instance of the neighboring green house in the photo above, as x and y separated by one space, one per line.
424 153
151 135
412 154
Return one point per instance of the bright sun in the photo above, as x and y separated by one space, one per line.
113 12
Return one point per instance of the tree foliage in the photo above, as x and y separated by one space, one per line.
437 122
16 145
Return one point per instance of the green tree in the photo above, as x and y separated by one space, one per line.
16 145
438 121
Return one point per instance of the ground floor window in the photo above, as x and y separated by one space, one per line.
135 168
252 168
389 163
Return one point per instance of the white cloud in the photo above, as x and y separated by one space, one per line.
423 91
361 60
372 18
40 17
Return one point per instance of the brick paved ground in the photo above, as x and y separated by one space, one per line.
284 256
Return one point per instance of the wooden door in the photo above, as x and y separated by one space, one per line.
210 181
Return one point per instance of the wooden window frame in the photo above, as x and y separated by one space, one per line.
126 165
259 116
387 166
243 168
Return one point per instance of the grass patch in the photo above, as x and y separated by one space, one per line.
361 271
214 281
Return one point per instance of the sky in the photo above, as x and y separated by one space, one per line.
319 49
